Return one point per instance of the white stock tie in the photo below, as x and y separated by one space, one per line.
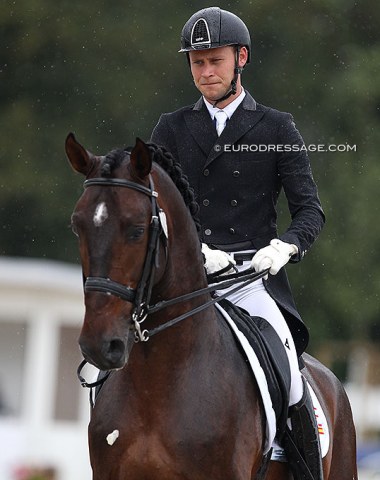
221 120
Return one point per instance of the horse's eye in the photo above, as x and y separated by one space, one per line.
136 233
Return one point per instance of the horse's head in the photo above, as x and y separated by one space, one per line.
121 240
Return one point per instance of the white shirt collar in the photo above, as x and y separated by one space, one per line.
229 109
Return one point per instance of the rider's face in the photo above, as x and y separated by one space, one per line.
213 70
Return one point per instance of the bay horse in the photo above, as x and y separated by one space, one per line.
182 404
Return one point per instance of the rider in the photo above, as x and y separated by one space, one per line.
237 167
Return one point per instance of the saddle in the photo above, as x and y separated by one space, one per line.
272 357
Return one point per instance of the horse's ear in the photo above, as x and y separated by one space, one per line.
141 159
79 158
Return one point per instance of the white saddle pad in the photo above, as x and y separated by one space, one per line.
278 453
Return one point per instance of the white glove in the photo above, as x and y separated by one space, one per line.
274 256
215 260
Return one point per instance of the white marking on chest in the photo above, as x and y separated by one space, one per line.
112 437
100 215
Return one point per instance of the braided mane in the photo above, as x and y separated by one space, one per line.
166 161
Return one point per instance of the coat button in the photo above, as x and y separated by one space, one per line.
207 231
206 172
232 231
206 202
236 173
234 203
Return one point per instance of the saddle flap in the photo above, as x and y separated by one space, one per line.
271 355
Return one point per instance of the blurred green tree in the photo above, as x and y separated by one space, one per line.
106 70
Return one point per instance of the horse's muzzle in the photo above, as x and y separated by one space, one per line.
110 354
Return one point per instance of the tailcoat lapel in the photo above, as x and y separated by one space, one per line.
201 126
203 131
244 119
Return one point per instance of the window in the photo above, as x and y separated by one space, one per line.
68 388
13 337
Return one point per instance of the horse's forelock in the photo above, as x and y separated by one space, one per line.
112 160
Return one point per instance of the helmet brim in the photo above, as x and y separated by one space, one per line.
211 47
205 47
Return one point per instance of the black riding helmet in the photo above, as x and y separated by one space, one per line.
213 28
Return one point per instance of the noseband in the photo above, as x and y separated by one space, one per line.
140 297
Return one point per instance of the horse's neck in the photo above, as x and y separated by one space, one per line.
186 346
184 269
184 273
181 347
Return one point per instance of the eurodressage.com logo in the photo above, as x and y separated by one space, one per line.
321 147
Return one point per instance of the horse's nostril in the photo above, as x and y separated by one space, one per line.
116 346
115 350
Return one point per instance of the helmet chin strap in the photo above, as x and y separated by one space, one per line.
237 71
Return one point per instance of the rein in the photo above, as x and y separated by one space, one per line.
242 279
102 377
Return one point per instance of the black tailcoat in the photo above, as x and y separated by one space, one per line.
237 179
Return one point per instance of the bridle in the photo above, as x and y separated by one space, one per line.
140 297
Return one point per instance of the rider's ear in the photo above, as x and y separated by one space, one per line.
141 159
79 158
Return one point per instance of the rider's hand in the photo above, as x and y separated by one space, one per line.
274 256
216 260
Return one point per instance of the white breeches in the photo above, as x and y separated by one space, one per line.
256 300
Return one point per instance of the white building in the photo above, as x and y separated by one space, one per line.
44 412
